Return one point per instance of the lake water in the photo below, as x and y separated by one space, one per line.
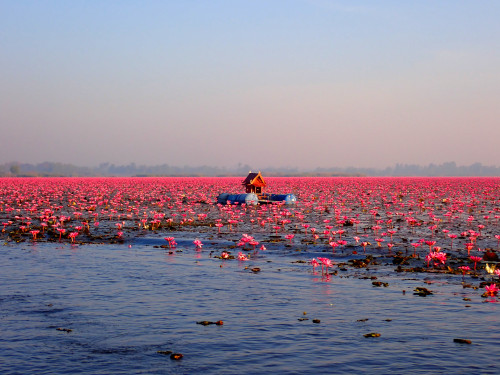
125 302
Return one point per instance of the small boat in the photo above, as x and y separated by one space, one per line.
255 186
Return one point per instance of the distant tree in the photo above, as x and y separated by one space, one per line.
15 169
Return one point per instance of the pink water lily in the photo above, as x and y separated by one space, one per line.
171 242
469 246
464 270
314 263
491 290
437 257
242 256
476 259
326 263
333 244
415 245
34 233
73 235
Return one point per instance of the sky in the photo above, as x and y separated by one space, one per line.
268 83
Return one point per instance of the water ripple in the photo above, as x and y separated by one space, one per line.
110 308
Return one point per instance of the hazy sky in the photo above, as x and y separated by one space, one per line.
297 83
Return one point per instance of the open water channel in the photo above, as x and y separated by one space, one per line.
111 308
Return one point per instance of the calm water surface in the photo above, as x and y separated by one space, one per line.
123 304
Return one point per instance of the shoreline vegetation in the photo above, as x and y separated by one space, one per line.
52 169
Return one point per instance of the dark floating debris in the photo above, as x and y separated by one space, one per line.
362 320
317 321
302 319
164 352
67 330
462 341
379 284
399 259
361 263
372 334
422 292
176 356
207 323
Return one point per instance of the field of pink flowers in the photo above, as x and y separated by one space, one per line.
446 225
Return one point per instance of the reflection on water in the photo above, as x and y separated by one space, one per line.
123 304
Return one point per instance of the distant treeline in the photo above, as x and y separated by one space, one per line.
449 169
48 169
